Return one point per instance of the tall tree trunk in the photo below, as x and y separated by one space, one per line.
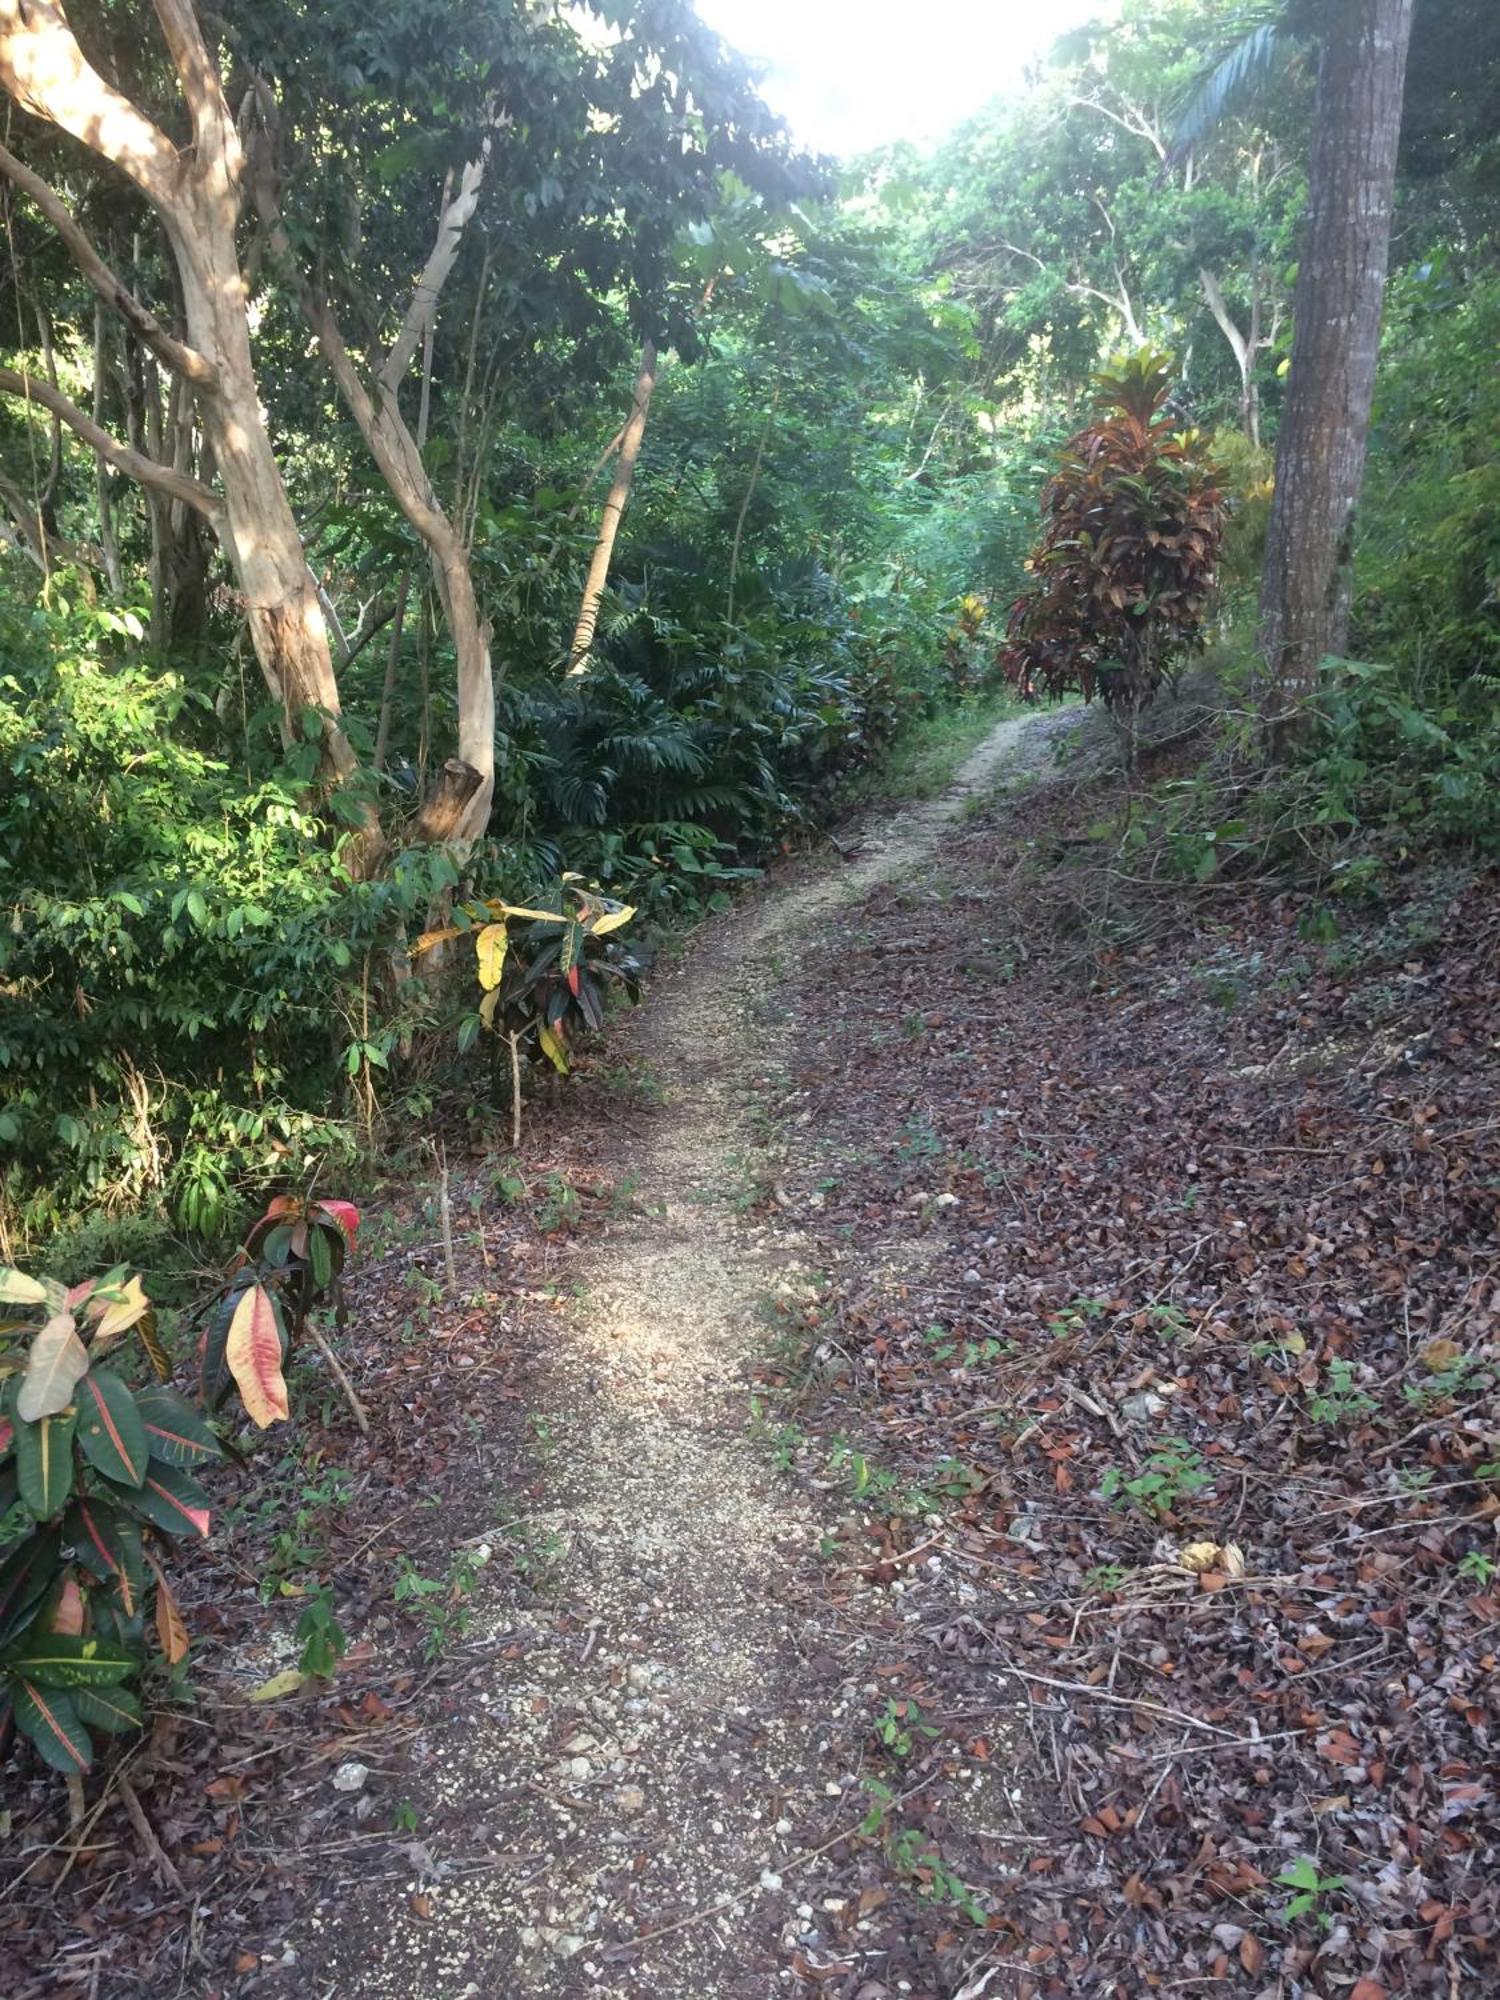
108 541
1320 456
614 507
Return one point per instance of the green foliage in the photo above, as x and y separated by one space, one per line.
1174 1472
92 1469
1311 1886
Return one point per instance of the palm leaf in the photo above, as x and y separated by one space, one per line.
1221 89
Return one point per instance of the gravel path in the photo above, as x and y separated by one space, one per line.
667 1778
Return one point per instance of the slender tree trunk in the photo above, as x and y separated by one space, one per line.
614 507
1320 457
750 486
108 541
376 410
1241 345
260 535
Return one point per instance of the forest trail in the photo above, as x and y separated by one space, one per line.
668 1776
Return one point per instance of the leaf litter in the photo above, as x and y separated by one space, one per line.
1102 1601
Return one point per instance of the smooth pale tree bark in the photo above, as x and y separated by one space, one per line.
1320 453
1243 345
614 508
375 407
196 193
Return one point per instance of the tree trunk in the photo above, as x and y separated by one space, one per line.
1320 457
108 541
1241 345
260 536
614 507
376 410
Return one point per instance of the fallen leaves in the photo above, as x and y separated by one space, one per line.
1239 1261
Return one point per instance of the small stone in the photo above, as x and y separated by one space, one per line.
580 1768
1142 1406
350 1777
769 1879
972 1277
630 1798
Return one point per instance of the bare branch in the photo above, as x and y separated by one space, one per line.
422 310
135 464
43 68
1218 305
175 354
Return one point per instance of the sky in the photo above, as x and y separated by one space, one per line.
851 74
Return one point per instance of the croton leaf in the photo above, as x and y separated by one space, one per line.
252 1353
113 1709
552 1047
16 1289
61 1659
612 920
320 1256
175 1433
64 1612
107 1541
47 1716
56 1365
216 1380
490 944
118 1312
346 1215
170 1500
26 1576
44 1463
171 1626
150 1339
110 1428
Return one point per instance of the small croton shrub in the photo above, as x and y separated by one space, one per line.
98 1470
542 974
93 1472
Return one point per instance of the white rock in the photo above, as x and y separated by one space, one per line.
350 1777
769 1879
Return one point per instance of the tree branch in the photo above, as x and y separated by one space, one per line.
422 309
43 68
1218 305
173 353
216 138
135 464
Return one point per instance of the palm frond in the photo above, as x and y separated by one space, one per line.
1226 85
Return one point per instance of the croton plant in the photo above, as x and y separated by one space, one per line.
98 1468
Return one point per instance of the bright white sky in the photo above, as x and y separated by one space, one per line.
851 74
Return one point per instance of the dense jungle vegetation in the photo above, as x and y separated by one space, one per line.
585 486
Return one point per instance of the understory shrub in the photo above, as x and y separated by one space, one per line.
1126 568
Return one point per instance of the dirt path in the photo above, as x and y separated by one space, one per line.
664 1757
